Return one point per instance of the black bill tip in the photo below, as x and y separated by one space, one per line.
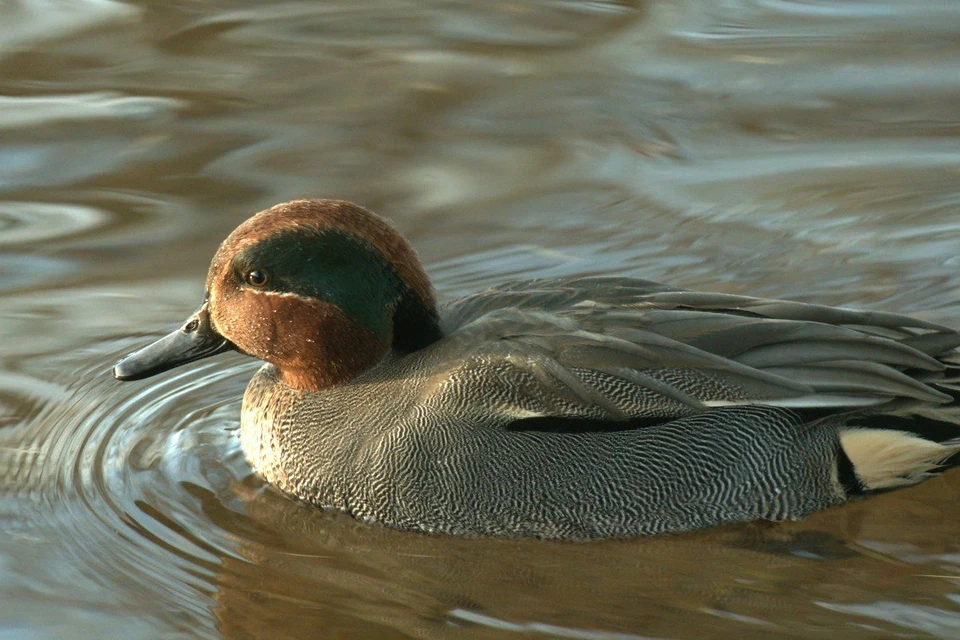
195 340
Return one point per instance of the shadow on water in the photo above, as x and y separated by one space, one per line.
791 149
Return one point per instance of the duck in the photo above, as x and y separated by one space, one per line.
571 408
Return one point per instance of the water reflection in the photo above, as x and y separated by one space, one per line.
28 222
30 22
792 149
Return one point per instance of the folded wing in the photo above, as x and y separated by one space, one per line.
617 349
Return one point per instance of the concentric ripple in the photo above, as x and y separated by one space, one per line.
26 222
111 467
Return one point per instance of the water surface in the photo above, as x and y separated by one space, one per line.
799 149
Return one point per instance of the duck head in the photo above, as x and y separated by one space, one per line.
321 289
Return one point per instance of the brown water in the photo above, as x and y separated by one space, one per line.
797 149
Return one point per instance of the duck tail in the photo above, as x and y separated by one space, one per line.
887 458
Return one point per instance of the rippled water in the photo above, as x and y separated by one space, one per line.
798 149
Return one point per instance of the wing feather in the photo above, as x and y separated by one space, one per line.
618 349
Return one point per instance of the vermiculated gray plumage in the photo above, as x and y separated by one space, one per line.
600 407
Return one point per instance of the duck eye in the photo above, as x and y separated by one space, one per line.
257 278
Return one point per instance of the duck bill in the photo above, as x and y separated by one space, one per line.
195 340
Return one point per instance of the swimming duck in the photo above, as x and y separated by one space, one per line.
566 408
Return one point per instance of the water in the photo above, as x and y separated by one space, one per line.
793 149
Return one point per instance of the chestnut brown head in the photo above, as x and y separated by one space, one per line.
321 289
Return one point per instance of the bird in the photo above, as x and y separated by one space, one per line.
569 408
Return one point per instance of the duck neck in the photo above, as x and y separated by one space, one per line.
315 379
416 324
335 357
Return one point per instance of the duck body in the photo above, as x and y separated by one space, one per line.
573 408
469 475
